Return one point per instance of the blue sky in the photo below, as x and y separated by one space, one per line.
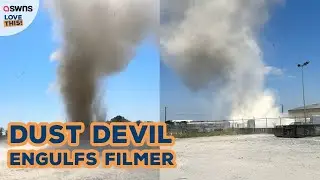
290 37
294 30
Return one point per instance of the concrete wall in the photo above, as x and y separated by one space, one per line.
297 131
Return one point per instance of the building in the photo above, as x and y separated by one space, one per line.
311 110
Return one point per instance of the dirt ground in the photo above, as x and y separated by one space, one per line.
247 157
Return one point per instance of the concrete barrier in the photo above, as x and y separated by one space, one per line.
297 131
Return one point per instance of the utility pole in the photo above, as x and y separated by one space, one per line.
304 101
165 114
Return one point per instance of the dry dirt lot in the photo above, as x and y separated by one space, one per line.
247 157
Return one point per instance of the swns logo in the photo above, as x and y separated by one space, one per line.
16 19
17 8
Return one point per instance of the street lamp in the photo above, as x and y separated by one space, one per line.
165 113
304 102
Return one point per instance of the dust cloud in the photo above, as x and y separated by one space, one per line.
98 39
214 44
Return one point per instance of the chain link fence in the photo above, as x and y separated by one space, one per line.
238 126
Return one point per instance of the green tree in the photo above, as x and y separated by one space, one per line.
169 123
2 131
119 119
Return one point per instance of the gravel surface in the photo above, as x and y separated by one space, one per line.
247 157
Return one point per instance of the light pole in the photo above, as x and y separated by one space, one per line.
304 101
165 114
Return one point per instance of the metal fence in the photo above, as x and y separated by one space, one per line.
259 124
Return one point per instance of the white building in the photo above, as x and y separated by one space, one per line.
311 110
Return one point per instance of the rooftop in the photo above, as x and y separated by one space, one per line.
312 106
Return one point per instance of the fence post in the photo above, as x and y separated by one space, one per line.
242 123
280 120
266 123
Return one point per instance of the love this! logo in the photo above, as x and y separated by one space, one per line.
12 20
17 15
